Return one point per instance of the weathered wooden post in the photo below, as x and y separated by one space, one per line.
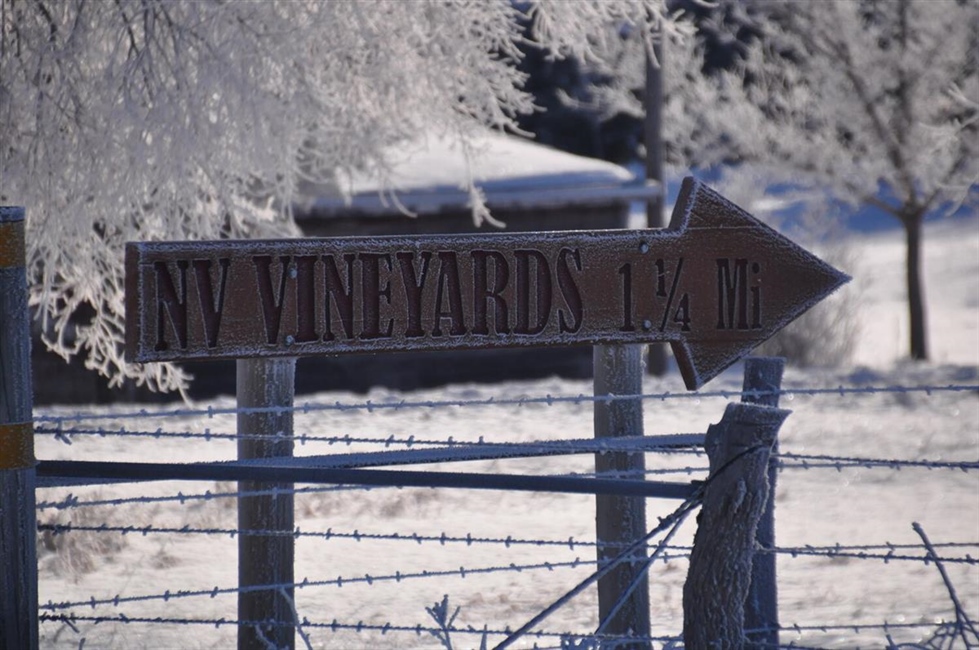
764 374
266 389
621 520
18 525
736 495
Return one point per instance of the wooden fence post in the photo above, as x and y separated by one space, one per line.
761 607
717 584
621 520
266 558
18 520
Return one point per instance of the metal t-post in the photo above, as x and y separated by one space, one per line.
266 389
761 606
621 519
18 523
657 360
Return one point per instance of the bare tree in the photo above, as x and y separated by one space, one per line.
878 101
875 102
148 120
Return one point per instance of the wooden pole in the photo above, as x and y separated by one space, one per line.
761 607
716 588
18 523
265 559
621 520
656 363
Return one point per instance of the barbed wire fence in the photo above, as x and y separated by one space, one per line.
941 625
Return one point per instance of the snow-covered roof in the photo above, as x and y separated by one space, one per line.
430 176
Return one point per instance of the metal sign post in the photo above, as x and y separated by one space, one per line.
764 376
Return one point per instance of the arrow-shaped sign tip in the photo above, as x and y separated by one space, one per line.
766 283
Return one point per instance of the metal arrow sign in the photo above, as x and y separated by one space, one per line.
715 284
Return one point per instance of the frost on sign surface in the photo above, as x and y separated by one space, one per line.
715 284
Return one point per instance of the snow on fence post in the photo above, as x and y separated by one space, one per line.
265 393
18 524
764 374
718 580
620 519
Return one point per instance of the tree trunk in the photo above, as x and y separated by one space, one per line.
916 296
719 577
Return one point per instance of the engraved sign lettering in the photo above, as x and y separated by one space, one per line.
714 284
733 294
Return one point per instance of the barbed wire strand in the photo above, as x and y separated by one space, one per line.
64 435
861 552
71 619
339 582
549 400
73 501
813 461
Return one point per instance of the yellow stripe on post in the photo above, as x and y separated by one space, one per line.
17 446
16 438
11 244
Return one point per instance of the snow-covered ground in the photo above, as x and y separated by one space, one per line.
817 507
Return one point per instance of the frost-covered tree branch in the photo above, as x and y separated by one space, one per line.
147 120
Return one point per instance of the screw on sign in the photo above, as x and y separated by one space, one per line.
715 284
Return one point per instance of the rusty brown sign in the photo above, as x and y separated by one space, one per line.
715 284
